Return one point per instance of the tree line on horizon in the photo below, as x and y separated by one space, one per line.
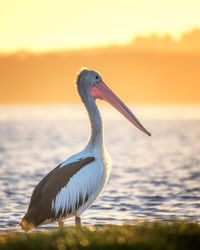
188 41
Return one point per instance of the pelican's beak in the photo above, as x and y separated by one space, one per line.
101 91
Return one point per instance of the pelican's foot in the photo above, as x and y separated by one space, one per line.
61 224
78 222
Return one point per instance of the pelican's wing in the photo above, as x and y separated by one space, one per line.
40 208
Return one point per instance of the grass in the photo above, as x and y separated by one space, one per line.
142 236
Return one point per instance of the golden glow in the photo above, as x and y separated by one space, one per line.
152 69
57 24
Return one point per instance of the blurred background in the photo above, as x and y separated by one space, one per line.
148 53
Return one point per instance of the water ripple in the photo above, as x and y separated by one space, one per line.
151 178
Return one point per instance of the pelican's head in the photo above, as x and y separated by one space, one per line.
86 79
90 85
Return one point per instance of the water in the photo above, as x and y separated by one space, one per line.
151 177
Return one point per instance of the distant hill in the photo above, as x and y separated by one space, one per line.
189 41
150 70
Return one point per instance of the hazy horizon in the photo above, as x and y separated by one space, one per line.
49 25
154 69
188 41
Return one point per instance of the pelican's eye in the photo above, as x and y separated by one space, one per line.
96 77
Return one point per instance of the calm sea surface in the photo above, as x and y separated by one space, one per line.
151 178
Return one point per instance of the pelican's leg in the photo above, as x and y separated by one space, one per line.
78 222
60 224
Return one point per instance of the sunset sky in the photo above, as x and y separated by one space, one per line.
158 68
56 24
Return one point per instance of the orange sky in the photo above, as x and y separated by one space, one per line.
136 76
57 24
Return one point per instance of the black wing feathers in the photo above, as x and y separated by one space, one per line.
39 209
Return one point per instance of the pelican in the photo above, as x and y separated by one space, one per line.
75 184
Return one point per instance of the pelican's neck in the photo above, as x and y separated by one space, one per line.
96 137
